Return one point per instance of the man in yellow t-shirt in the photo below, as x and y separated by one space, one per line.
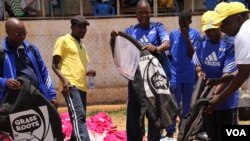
69 63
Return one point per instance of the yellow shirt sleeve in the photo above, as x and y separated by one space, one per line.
59 47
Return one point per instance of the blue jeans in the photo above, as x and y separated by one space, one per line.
76 101
183 94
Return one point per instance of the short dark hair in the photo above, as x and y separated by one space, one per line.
185 15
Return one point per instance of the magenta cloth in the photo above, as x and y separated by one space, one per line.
99 122
102 122
66 126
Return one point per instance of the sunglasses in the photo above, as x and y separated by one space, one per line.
20 33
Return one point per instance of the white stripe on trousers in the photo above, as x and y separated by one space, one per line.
74 118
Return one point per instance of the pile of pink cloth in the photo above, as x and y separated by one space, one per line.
100 128
101 124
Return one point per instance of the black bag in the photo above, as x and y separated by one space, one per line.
193 123
153 91
148 79
27 115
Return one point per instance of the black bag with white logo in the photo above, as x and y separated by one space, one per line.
145 72
153 90
26 115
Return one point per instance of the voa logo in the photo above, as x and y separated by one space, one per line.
236 132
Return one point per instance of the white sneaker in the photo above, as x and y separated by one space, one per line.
168 139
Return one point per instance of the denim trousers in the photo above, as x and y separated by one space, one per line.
76 102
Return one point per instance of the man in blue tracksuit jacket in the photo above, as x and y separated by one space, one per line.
21 59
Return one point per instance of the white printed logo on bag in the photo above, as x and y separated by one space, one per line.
153 75
30 125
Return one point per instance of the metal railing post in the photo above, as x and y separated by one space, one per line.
192 5
4 11
81 8
118 7
42 7
155 8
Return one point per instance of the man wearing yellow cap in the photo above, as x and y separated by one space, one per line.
214 58
234 21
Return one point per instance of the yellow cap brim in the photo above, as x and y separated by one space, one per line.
218 21
208 26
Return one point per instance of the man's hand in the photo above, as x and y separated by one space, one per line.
216 81
214 101
91 73
13 84
201 74
151 48
66 85
213 81
113 34
185 33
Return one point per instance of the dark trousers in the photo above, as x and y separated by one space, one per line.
218 118
134 131
76 101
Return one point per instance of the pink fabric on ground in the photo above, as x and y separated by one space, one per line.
99 122
100 128
66 126
102 123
